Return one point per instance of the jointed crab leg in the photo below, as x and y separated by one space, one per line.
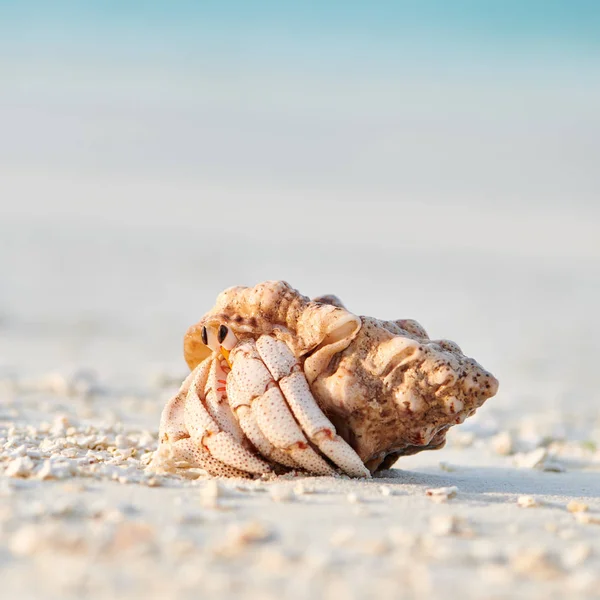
176 442
287 372
251 384
200 457
234 418
216 399
275 419
205 432
247 420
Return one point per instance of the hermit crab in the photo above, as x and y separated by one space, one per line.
280 382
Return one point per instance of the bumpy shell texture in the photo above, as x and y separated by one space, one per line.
388 389
394 392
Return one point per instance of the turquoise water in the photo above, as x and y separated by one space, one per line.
488 102
568 22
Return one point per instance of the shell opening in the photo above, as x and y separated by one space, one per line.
336 340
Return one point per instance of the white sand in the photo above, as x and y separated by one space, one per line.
100 527
91 318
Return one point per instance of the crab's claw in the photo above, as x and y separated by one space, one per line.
194 348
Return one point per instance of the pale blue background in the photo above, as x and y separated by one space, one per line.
494 100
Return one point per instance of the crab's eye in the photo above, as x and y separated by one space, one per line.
213 338
226 337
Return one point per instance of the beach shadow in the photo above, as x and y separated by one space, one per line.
492 481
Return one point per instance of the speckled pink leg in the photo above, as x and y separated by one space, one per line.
205 432
249 426
172 423
253 386
287 372
176 445
196 456
216 399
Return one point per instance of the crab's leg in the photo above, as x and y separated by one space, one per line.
287 372
205 432
247 420
216 399
172 424
197 456
253 387
176 445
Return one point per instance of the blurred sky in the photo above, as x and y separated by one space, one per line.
443 101
421 159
